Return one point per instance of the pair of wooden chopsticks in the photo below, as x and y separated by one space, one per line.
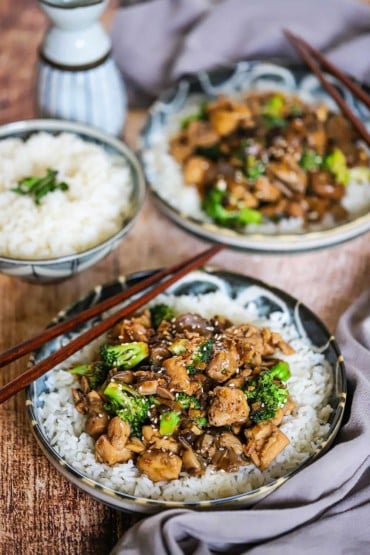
313 58
172 275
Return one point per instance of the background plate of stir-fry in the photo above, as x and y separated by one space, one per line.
260 159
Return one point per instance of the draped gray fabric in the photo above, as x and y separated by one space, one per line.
324 509
157 42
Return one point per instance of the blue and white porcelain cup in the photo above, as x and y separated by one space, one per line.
77 78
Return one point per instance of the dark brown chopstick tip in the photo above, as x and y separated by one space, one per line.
171 275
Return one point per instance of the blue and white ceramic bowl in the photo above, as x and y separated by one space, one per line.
54 269
235 288
181 203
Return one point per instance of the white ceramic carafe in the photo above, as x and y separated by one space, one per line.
77 78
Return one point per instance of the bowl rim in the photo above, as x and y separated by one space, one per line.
118 498
48 125
263 243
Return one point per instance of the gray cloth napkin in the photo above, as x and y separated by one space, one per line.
324 509
157 42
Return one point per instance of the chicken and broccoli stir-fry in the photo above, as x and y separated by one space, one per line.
268 156
179 393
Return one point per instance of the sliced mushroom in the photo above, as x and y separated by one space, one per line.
190 460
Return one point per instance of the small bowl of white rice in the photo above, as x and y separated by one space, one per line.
99 191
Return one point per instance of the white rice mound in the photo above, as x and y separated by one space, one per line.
310 386
166 178
66 222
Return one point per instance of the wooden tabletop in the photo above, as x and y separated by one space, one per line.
40 511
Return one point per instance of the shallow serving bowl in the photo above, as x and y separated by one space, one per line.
174 201
54 269
265 300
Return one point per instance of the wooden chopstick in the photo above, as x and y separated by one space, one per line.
331 90
331 68
25 378
29 345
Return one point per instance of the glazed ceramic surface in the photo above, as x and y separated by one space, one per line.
54 269
77 78
246 290
244 77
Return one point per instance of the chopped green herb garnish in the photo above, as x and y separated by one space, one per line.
38 187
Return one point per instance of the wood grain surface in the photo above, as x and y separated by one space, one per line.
41 512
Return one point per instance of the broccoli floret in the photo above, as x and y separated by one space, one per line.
168 422
213 205
187 401
95 373
201 422
128 404
273 111
161 312
253 167
266 394
204 351
281 371
126 355
274 106
336 163
197 116
310 160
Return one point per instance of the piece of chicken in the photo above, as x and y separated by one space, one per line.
265 442
111 448
98 418
229 406
159 465
153 440
224 362
176 371
195 170
136 328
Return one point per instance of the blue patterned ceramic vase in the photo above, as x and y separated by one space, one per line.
77 78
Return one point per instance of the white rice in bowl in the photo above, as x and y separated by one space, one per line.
94 207
310 386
